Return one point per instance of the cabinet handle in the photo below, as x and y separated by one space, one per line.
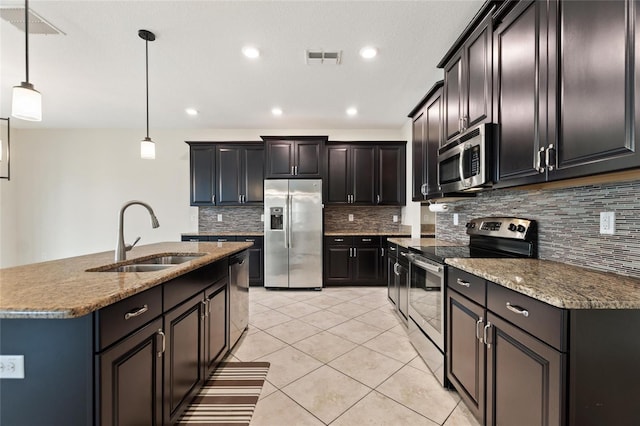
164 343
518 310
366 239
350 252
478 326
423 189
355 252
465 122
293 170
296 170
551 152
136 312
204 310
460 124
193 240
378 198
392 248
463 283
338 240
485 335
222 240
541 162
213 199
395 268
381 251
250 240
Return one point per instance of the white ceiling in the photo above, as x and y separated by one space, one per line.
93 77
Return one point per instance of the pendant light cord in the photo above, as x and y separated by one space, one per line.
26 35
146 48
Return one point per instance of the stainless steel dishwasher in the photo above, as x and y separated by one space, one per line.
238 295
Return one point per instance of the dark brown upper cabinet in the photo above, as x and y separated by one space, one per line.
240 174
427 137
365 173
294 157
468 78
202 173
566 83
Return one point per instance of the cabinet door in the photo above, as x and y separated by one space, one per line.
392 288
216 339
280 159
308 159
229 168
337 185
466 353
453 97
183 372
130 381
366 265
253 175
362 174
434 140
391 175
203 176
338 264
595 66
419 157
525 383
520 66
477 76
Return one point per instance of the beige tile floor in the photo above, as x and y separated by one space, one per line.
340 357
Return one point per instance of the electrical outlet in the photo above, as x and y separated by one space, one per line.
455 219
395 218
350 218
219 218
261 218
11 366
608 223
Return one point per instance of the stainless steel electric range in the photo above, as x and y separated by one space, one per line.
489 237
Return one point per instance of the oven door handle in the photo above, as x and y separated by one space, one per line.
461 165
424 265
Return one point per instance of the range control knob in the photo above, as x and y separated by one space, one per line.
521 228
512 227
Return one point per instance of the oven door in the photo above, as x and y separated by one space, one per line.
426 298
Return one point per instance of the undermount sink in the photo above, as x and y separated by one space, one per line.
137 268
173 259
150 264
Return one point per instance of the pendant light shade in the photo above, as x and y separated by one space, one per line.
26 103
147 146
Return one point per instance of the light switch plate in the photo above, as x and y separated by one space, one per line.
11 366
608 223
219 218
350 218
262 218
455 219
395 218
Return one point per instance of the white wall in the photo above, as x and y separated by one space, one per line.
411 212
67 187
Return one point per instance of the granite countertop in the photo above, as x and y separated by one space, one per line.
558 284
63 289
225 234
424 242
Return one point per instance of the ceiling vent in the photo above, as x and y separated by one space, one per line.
37 24
320 57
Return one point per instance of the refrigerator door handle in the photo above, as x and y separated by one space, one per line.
285 218
289 208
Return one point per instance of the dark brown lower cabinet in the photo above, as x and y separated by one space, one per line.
525 383
466 355
130 391
354 261
183 372
217 338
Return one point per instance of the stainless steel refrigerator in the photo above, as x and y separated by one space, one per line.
293 233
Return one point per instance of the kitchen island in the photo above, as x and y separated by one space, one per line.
114 347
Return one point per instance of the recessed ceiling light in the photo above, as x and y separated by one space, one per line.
352 111
276 111
251 52
191 111
368 52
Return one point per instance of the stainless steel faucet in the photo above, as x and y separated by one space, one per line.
122 248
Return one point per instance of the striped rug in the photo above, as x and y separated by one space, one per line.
229 396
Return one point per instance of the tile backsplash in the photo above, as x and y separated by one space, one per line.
379 219
236 219
568 222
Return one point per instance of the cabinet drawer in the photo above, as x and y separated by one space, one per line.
181 288
366 241
122 318
195 238
543 321
257 241
467 284
339 241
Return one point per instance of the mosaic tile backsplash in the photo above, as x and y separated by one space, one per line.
379 219
236 219
568 223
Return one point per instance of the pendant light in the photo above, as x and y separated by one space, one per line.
147 146
26 102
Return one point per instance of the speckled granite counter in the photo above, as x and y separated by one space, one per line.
63 289
417 242
558 284
223 234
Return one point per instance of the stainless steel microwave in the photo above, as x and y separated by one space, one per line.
466 163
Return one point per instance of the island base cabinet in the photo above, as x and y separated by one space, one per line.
130 381
217 341
525 383
183 372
